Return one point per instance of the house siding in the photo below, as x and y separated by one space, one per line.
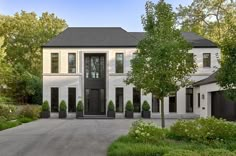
63 80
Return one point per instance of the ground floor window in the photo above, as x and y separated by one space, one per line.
119 99
54 99
155 104
172 103
199 98
136 99
72 99
189 100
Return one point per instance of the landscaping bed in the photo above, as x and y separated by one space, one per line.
200 137
13 115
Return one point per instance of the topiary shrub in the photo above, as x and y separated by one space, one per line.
45 106
203 130
129 106
217 152
80 106
182 152
145 106
111 106
63 106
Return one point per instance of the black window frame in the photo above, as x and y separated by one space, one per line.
173 106
54 67
119 90
189 103
155 109
70 67
119 70
199 100
54 105
137 102
71 108
206 61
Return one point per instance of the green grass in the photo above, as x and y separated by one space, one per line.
9 124
128 146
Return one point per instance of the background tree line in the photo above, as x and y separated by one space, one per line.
21 38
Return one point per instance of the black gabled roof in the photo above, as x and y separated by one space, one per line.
112 37
93 37
210 79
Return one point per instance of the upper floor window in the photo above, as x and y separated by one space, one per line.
206 60
190 58
95 66
134 55
71 63
119 62
54 63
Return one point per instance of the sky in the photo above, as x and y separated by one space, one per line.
88 13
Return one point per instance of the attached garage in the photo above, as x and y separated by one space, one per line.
221 107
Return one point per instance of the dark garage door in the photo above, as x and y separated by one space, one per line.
222 107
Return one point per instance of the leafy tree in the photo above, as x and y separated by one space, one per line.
226 74
207 18
21 54
161 65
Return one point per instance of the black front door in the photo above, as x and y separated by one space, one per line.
94 75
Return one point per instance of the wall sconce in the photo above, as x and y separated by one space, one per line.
203 96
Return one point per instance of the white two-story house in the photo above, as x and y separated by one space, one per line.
91 64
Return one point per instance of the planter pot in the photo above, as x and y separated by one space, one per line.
62 114
129 114
111 114
79 114
146 114
45 114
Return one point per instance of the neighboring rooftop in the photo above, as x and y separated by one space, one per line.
111 37
209 80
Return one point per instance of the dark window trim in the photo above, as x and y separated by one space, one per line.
189 94
52 100
199 100
206 65
174 95
122 62
57 63
158 109
122 108
139 109
69 62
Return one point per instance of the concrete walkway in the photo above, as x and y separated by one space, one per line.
55 137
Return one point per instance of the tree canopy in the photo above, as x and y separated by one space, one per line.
162 64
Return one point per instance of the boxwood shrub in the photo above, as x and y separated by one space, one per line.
129 106
145 106
111 106
45 106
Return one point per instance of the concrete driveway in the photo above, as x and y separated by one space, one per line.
55 137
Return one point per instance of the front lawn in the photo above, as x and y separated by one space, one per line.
200 137
13 115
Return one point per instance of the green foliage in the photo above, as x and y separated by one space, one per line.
30 111
8 124
146 131
129 106
4 99
204 130
226 75
45 106
209 18
63 106
181 152
7 111
25 119
161 65
111 106
217 152
80 106
145 106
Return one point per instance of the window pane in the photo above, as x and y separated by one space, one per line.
172 103
119 99
206 60
72 99
87 66
72 62
54 63
136 100
155 104
119 63
189 99
102 67
54 99
198 97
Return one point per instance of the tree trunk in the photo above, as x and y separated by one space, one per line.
162 113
